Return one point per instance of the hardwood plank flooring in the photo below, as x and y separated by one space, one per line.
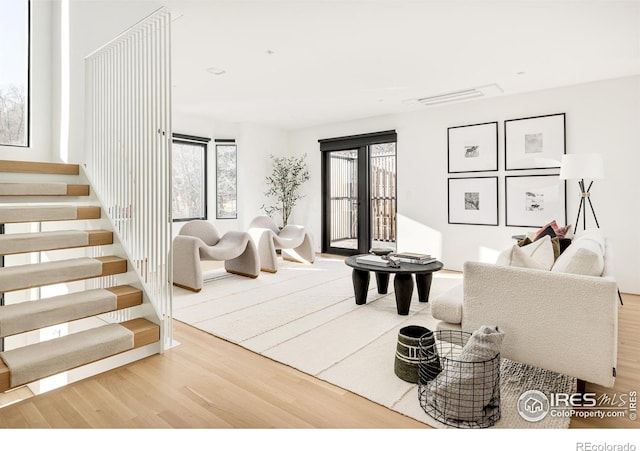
206 382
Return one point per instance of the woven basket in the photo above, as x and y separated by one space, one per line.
408 352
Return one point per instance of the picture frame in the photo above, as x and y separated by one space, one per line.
472 148
534 142
535 200
473 200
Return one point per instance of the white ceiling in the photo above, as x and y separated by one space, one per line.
295 64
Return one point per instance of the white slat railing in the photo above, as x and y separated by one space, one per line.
128 127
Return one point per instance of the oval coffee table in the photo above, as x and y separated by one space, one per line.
402 283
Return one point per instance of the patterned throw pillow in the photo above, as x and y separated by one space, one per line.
545 230
553 230
562 232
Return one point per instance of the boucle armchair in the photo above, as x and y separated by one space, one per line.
293 241
553 319
199 240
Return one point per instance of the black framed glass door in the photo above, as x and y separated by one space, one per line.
358 193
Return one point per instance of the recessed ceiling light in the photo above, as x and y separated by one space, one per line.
216 70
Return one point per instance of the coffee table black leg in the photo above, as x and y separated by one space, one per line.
360 285
423 282
403 284
382 279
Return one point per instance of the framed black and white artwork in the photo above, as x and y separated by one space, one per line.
535 200
472 148
534 142
473 200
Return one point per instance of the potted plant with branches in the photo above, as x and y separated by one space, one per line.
283 185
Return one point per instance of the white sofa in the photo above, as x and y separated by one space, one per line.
559 321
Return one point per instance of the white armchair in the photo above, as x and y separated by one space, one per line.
199 240
293 241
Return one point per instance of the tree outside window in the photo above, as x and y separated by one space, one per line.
226 180
14 73
189 167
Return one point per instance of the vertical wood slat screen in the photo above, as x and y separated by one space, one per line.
383 198
128 127
343 197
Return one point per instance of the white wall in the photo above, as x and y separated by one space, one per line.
41 84
93 24
601 117
256 143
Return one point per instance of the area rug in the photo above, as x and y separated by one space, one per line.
305 316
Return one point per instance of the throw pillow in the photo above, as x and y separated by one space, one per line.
594 235
564 244
543 231
555 243
560 232
584 257
523 260
523 242
537 255
504 258
564 232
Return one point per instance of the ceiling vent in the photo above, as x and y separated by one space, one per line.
464 94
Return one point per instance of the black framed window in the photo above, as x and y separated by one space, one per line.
14 73
226 179
189 167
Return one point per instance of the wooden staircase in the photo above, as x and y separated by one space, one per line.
35 196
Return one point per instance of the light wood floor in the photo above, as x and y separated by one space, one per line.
206 382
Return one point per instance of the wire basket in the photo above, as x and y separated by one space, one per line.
457 393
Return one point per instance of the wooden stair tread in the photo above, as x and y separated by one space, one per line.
43 189
12 214
112 265
128 296
39 167
144 333
32 315
17 243
20 277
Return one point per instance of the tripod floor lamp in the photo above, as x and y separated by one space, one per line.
581 167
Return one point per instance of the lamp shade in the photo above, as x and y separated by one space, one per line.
582 166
